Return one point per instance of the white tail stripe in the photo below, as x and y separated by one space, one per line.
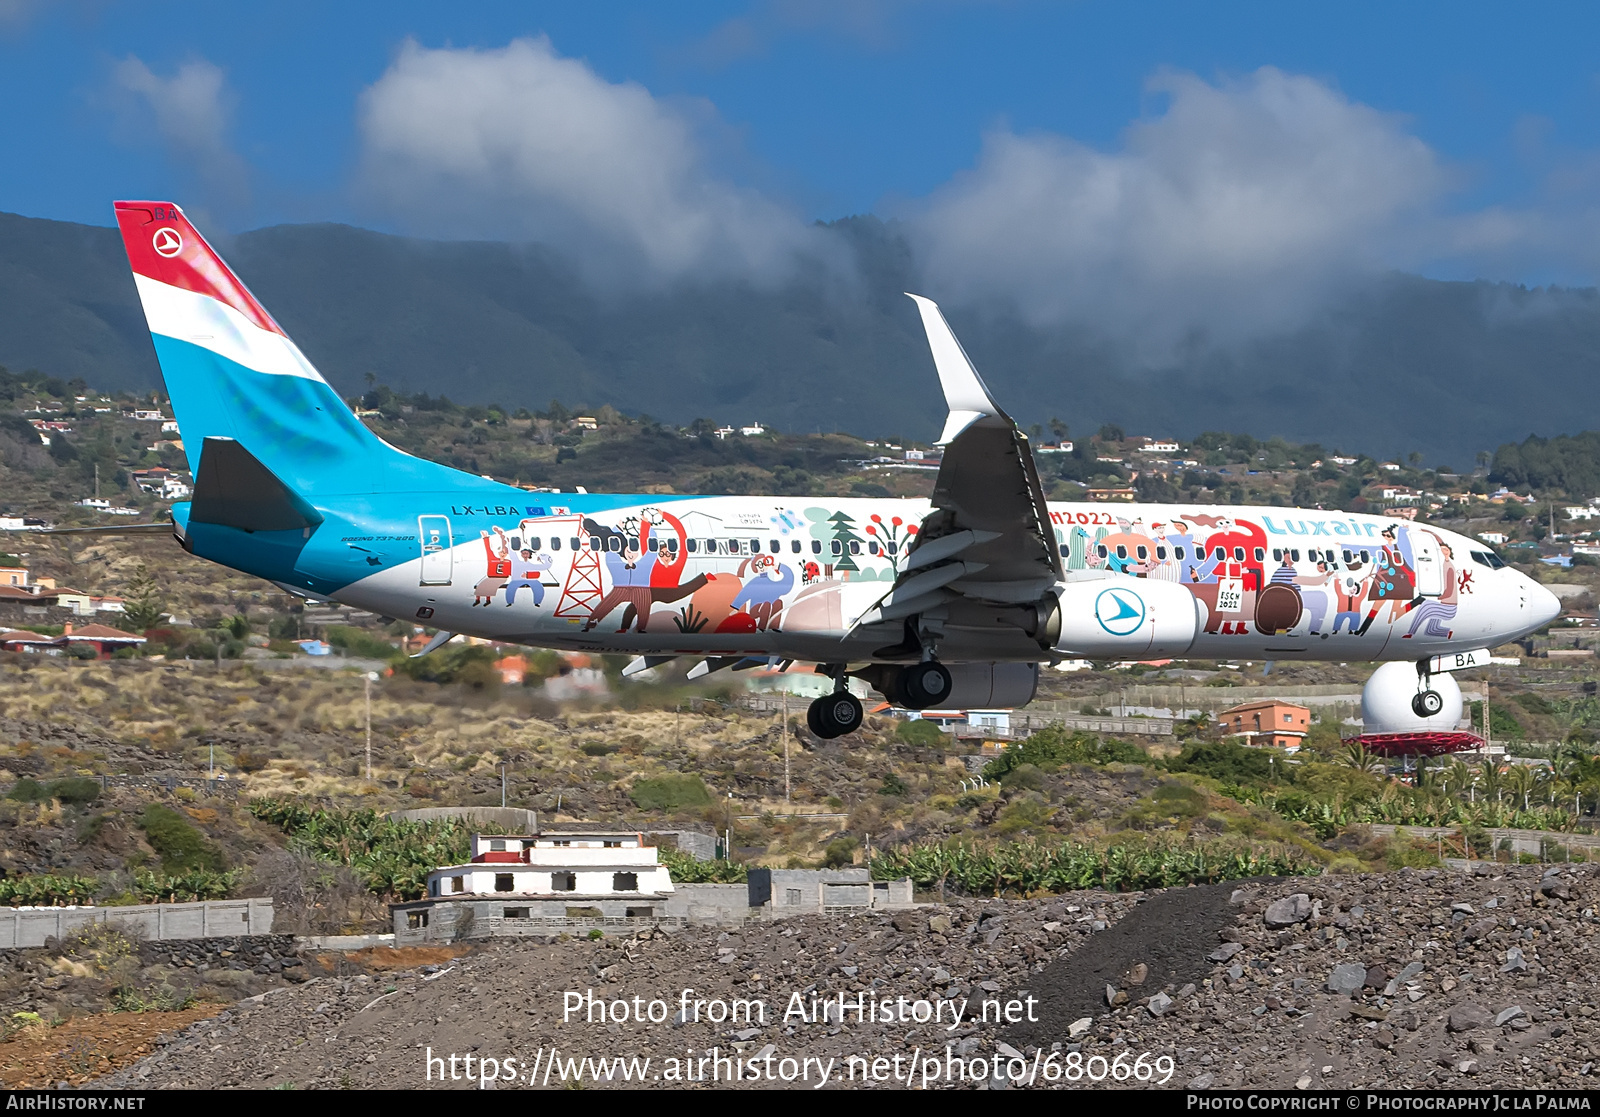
201 320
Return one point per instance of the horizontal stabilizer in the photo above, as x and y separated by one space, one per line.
165 528
233 489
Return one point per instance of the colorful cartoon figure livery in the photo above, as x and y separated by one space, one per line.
954 600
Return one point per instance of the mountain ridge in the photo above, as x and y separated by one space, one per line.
1444 368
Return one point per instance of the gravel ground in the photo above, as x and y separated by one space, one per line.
1400 980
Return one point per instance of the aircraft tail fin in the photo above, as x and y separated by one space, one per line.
231 371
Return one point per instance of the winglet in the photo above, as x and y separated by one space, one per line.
965 393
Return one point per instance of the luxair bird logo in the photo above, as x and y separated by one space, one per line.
1119 611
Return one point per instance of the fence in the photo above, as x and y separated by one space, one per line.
20 927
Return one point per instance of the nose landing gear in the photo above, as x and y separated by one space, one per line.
1427 701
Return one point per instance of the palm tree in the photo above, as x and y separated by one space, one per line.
1357 757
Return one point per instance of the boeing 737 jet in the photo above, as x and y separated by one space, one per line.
951 601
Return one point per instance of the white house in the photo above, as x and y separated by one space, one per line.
553 869
1495 537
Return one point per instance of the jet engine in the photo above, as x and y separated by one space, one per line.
1390 701
992 686
1121 617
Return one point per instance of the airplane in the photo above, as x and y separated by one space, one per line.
953 601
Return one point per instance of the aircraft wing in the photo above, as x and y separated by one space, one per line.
988 538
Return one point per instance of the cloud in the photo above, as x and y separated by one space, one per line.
1237 209
191 112
521 143
750 35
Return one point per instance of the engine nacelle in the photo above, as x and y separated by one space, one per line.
991 686
1386 701
1122 618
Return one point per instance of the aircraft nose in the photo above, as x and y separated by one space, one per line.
1543 606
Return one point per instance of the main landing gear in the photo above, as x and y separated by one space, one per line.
916 687
1427 701
834 715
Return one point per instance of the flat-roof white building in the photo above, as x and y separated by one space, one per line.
557 869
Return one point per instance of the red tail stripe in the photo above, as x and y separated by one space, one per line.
183 258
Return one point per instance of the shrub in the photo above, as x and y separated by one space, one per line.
181 847
74 789
359 642
1226 761
27 790
839 853
893 785
1055 745
920 732
674 792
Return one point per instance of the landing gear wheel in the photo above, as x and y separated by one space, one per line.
834 715
925 684
1427 703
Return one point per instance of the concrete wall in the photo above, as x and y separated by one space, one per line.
152 922
709 903
453 920
702 847
794 891
513 820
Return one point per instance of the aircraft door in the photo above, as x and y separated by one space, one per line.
1429 562
433 534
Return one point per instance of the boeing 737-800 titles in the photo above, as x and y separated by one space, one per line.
953 601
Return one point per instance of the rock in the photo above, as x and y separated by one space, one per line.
1202 1082
1111 995
941 976
746 1034
940 924
1159 1004
1225 951
1515 962
1463 907
1481 928
1347 977
1186 991
1507 1014
1079 1026
1368 1012
1377 977
1288 912
1556 888
1138 973
1468 1066
1235 973
1411 970
1008 1051
1466 1017
1384 1038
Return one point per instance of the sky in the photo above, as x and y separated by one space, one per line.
1151 168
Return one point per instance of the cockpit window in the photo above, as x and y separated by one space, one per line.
1489 559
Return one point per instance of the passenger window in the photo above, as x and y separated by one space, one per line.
836 547
577 544
614 545
1366 556
1348 557
694 546
534 543
1219 554
855 547
1142 552
872 547
816 546
1261 554
894 548
1294 556
1238 554
777 548
1101 550
555 543
1065 550
1122 552
755 546
1277 554
672 545
516 543
711 546
794 545
633 544
1177 552
1161 553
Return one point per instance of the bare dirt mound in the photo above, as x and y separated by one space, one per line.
1169 933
